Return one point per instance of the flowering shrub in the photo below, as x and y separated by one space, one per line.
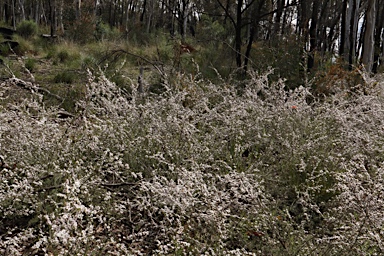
199 170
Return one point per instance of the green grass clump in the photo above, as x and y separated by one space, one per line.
66 77
27 29
30 64
63 56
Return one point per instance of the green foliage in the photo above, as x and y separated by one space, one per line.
51 53
73 94
103 31
119 80
66 77
81 30
27 28
63 56
89 62
283 56
25 46
30 64
212 29
67 54
4 49
214 62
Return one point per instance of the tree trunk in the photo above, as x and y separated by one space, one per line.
343 29
144 10
37 11
13 15
252 33
378 42
150 14
238 27
60 17
313 35
52 5
279 14
22 9
353 28
185 17
78 9
369 36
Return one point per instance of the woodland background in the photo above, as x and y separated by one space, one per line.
308 35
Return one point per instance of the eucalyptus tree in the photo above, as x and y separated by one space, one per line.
351 34
53 23
369 35
379 30
235 12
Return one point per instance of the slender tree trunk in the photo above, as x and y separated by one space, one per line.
313 35
185 17
303 20
22 9
369 36
13 15
115 12
144 10
252 33
150 16
378 33
238 27
278 17
78 9
60 16
36 11
353 28
6 11
343 28
226 8
52 5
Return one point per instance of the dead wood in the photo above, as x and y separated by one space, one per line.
32 87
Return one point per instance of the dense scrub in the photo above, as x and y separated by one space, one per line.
202 169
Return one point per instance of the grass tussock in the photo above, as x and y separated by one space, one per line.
199 169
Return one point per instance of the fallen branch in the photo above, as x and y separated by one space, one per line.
119 184
121 51
32 87
48 188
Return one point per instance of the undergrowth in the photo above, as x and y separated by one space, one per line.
196 170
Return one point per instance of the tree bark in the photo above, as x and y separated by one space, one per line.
13 15
378 32
343 29
313 35
238 27
22 9
369 36
52 5
279 14
353 15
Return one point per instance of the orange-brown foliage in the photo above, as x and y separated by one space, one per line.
186 48
336 78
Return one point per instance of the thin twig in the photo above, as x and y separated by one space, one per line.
32 87
119 184
136 56
48 188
